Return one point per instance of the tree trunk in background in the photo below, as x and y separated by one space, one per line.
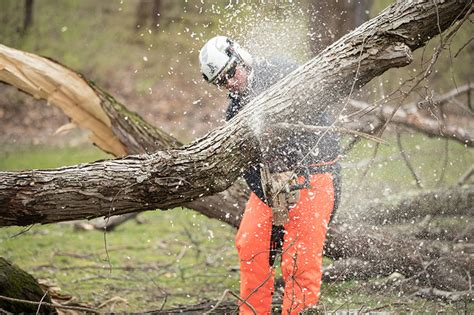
156 13
330 20
148 11
28 18
141 14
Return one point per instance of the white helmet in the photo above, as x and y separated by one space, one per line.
219 55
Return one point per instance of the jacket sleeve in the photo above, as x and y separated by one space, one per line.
252 177
233 108
252 174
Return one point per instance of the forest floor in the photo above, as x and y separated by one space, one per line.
175 257
171 258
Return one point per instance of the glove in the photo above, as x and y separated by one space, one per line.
280 198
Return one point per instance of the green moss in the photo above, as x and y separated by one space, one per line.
18 284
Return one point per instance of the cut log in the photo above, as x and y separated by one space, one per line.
435 294
212 163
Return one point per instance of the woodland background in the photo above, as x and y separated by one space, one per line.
145 54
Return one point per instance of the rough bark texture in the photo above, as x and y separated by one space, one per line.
212 163
114 128
138 136
135 183
434 294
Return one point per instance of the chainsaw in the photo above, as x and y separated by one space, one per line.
282 191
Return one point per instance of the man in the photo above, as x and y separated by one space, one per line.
281 220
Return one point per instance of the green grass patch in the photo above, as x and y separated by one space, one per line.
390 172
177 255
14 158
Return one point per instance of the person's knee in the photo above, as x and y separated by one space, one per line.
250 246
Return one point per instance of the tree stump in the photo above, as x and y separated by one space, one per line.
18 284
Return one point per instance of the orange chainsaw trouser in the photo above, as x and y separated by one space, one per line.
301 260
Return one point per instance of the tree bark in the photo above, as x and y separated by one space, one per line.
148 10
141 15
434 294
210 164
156 13
114 128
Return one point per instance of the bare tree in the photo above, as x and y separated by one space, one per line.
28 17
330 20
148 11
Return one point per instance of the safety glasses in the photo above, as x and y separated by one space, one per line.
229 74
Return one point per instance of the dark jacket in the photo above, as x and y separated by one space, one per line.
295 149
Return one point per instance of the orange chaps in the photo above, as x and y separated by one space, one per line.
301 261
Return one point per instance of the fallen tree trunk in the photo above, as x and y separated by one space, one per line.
135 183
212 163
435 294
453 229
361 253
114 128
457 200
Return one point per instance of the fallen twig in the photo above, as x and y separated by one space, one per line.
432 293
465 177
76 308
